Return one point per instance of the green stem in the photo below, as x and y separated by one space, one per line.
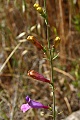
48 38
51 52
47 25
52 73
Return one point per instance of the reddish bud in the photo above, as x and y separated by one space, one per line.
37 76
33 40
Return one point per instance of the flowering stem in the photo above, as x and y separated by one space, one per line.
51 53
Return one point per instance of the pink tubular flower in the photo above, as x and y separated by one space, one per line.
37 76
33 40
32 104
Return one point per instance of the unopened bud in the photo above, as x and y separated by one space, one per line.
33 40
36 5
57 42
37 76
40 10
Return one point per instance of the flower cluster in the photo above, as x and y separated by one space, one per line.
37 76
31 103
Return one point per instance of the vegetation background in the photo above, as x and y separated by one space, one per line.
17 18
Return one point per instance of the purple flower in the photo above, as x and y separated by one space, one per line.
32 104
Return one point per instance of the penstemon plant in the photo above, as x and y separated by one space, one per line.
50 56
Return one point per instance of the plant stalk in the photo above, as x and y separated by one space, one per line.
51 53
52 77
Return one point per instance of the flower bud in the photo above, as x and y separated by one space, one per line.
40 10
57 42
36 5
33 40
37 76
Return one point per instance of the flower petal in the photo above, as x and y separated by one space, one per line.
28 99
25 107
35 104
